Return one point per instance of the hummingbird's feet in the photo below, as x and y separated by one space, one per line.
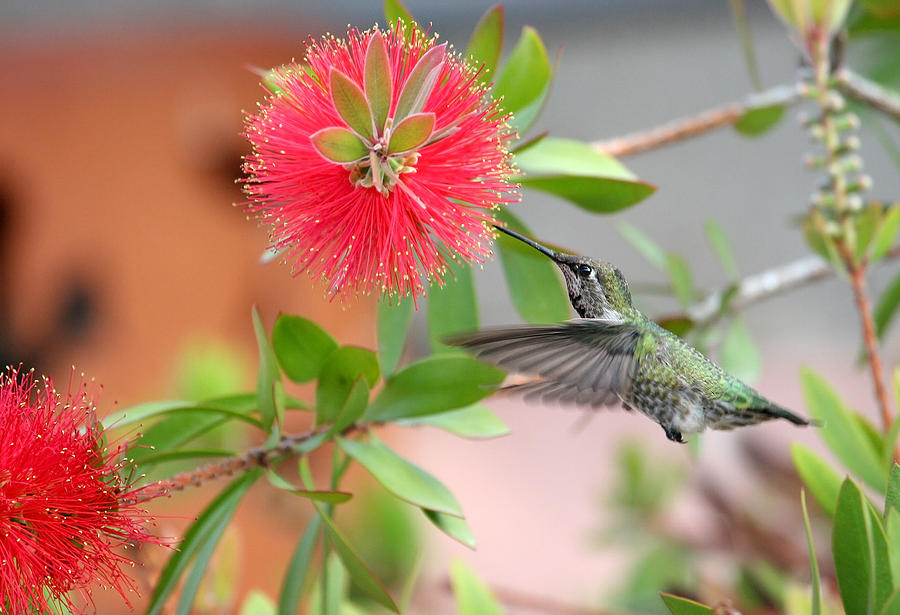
673 434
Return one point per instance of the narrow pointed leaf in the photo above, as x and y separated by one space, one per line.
486 42
738 353
393 327
360 573
212 520
338 376
842 432
402 478
412 132
267 374
574 171
886 308
722 247
892 530
860 553
329 497
452 308
351 104
257 603
473 597
822 481
295 577
420 82
523 78
454 527
472 422
644 244
338 145
433 385
377 80
866 223
353 407
814 576
684 606
533 280
887 233
892 497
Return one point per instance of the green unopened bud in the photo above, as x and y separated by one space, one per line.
854 202
805 16
849 143
860 184
847 121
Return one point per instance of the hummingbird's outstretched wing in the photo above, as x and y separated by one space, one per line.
587 361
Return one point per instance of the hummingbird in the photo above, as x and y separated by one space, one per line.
613 354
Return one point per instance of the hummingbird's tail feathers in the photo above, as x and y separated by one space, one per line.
782 413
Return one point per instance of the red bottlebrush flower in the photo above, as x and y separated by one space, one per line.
377 161
64 509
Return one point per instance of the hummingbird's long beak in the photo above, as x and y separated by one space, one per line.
556 256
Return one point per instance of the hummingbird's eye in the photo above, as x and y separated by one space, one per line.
584 270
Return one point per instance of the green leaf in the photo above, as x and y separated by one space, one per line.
486 42
472 595
680 277
452 308
815 577
405 480
523 79
892 530
760 120
892 605
154 458
329 497
576 172
817 475
206 528
533 280
302 347
454 527
843 434
738 353
395 10
886 234
377 79
892 496
338 144
866 223
198 569
683 606
887 305
644 244
267 375
420 82
155 409
860 553
722 247
393 326
433 385
338 377
411 132
360 573
351 104
295 577
353 408
472 422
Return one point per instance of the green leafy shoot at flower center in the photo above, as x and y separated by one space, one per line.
375 147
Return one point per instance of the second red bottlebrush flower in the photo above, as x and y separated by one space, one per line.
378 161
65 511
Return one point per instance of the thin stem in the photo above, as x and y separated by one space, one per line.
255 457
868 92
696 125
860 294
761 286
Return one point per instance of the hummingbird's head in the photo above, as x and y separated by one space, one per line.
595 287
